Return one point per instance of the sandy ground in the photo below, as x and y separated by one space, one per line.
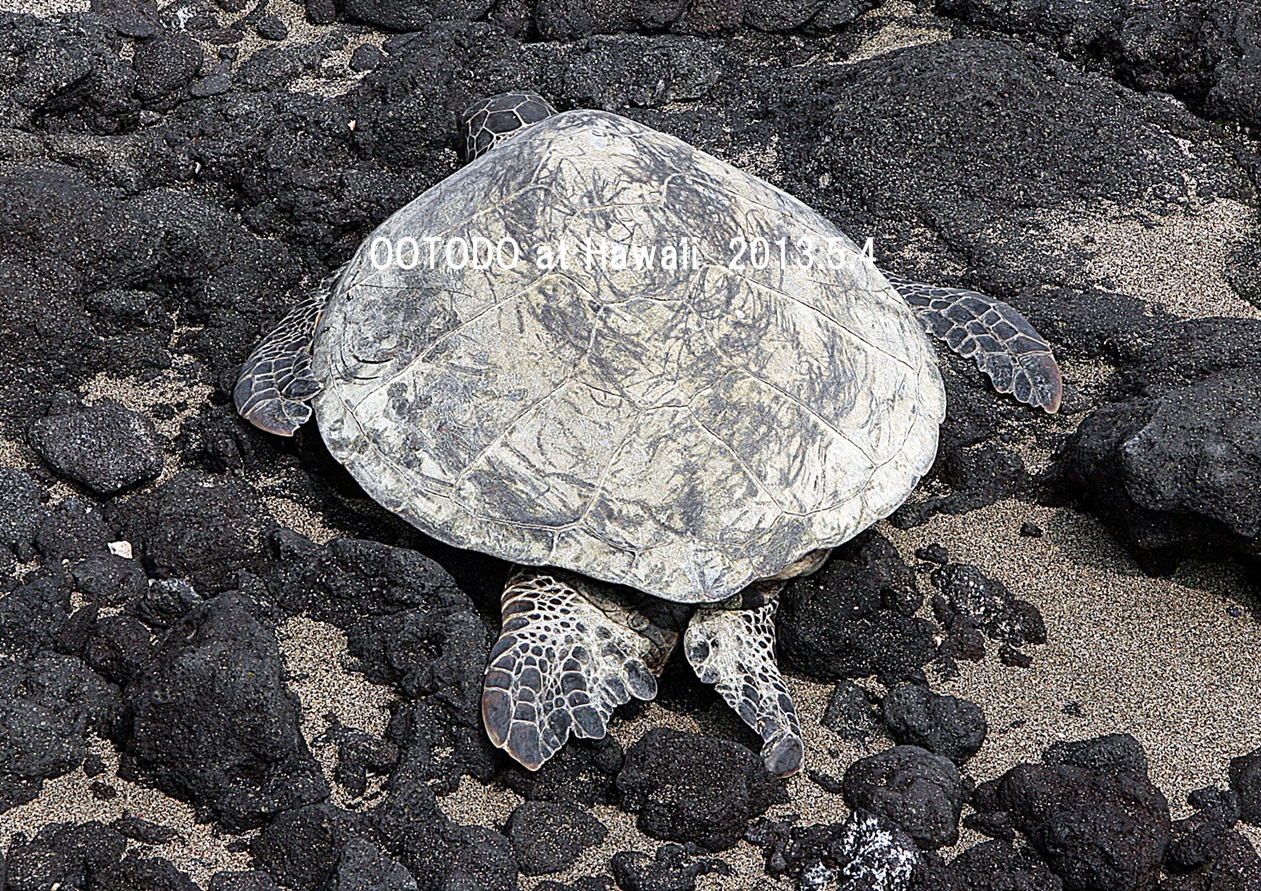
1162 659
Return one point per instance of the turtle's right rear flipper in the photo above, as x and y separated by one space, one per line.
276 385
734 649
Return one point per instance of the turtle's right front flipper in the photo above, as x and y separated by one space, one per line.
275 387
1002 342
570 652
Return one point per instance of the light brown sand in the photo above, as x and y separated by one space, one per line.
199 848
1177 261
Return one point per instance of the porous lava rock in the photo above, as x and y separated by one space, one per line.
1127 463
944 725
1207 851
864 851
986 601
685 787
438 852
104 446
1094 817
198 527
913 789
548 837
833 624
850 714
66 853
212 722
584 772
1204 53
673 868
49 705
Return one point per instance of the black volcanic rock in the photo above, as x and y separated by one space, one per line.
1207 851
850 714
1245 782
48 707
1126 463
21 512
673 868
212 723
944 725
686 787
584 772
165 66
301 848
365 867
135 871
1112 753
105 447
1103 828
912 788
438 852
33 615
242 880
108 579
1199 51
833 624
999 613
68 853
413 15
198 527
548 837
116 646
991 866
864 851
73 529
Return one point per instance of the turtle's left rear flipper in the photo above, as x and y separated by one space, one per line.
1005 346
570 652
734 649
275 385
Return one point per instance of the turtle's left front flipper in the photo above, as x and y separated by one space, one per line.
734 649
1005 346
275 385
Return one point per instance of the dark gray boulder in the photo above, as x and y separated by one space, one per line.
912 788
104 446
212 722
944 725
1105 827
686 787
548 837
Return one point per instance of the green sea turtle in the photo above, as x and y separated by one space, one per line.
656 383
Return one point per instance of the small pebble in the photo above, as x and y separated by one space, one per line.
1234 611
1009 655
321 12
933 553
103 791
1030 530
210 85
270 27
366 57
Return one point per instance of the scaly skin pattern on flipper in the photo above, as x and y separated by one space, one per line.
275 385
734 649
1002 341
488 122
570 652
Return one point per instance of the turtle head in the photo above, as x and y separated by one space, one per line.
488 122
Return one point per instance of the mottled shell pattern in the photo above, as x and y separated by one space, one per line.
685 427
